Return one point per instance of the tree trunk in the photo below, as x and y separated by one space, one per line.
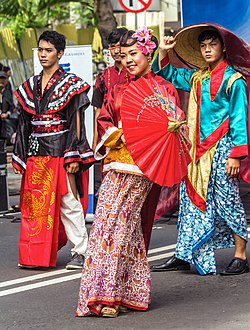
106 19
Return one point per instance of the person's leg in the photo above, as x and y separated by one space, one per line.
148 213
173 263
240 247
239 264
74 223
230 209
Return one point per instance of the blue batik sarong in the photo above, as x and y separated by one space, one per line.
200 233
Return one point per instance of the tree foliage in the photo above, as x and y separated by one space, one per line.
105 18
22 14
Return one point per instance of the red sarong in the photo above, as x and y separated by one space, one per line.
43 185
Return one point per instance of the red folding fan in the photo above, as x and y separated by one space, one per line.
161 155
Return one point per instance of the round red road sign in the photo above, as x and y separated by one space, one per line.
135 6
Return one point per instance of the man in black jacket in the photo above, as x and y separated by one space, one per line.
8 124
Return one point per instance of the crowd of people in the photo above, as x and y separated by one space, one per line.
209 140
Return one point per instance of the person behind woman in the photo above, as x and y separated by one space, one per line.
116 271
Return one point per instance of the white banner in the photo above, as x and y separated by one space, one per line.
78 60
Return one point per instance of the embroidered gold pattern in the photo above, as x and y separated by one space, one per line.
37 201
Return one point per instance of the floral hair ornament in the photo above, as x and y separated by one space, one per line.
144 42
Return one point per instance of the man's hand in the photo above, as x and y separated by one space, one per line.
165 45
4 115
16 171
95 138
72 167
233 167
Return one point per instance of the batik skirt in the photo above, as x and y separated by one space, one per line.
116 270
200 233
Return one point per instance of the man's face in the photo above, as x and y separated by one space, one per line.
212 51
47 54
115 51
3 83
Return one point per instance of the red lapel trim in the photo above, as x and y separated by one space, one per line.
198 94
216 78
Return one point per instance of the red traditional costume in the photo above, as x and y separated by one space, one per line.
46 142
116 270
104 83
149 207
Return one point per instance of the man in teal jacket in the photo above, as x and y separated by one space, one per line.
211 213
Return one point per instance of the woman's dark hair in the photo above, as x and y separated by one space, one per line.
210 34
115 35
127 40
55 38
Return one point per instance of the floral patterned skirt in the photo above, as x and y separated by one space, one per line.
116 270
200 233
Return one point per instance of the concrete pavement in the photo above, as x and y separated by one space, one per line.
47 298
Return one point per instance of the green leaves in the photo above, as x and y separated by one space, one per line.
22 14
9 8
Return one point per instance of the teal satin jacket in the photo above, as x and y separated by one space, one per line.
219 100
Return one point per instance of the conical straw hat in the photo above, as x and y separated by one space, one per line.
188 47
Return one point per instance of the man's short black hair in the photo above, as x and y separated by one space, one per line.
55 38
3 74
210 34
115 35
6 68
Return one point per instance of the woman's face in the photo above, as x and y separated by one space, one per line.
134 61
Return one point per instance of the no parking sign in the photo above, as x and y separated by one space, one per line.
135 6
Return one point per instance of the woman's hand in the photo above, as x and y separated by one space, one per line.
123 139
233 167
72 167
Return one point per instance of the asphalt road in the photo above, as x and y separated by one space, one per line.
47 299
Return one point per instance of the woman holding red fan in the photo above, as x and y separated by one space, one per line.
142 137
